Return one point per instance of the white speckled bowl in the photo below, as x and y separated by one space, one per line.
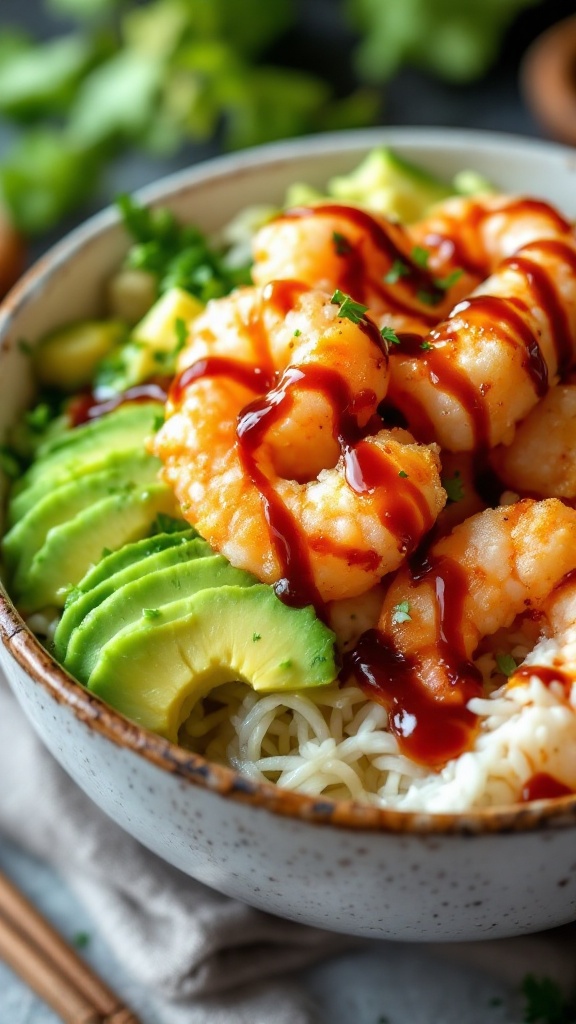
343 866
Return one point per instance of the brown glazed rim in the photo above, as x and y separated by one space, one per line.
103 719
32 657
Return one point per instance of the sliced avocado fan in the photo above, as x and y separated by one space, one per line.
157 669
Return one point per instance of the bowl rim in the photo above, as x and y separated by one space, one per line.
32 657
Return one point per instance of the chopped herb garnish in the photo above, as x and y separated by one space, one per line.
181 335
349 309
420 256
506 664
256 636
397 270
341 244
297 332
389 335
158 422
81 940
426 346
545 1002
401 613
151 613
428 298
403 474
453 486
446 282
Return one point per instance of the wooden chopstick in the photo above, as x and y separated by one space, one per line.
35 951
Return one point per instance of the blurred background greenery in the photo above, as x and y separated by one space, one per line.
101 95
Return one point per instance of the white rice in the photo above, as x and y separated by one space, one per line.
335 743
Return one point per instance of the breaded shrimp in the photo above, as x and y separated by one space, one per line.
331 246
541 460
495 566
272 446
482 370
478 233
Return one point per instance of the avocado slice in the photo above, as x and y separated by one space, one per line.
86 448
63 502
115 561
389 184
157 670
126 606
86 599
72 547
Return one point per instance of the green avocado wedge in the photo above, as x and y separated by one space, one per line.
145 598
85 449
63 502
157 670
73 547
130 563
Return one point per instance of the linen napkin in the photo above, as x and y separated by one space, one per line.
208 959
184 941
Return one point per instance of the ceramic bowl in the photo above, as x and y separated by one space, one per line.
342 866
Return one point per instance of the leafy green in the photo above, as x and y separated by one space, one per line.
545 1002
455 41
178 255
41 79
453 486
348 308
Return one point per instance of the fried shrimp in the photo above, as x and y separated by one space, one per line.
273 449
481 371
333 246
478 233
541 460
496 566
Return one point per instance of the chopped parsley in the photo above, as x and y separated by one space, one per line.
397 270
158 422
256 636
389 335
297 332
341 244
349 309
453 486
426 346
506 664
444 283
545 1002
428 298
403 474
401 613
420 256
151 613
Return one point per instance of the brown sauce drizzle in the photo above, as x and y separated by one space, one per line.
477 261
546 674
429 728
88 406
453 380
542 786
404 511
547 298
356 278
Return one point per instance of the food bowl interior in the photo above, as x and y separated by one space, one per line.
143 782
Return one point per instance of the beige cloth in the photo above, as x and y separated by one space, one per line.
208 959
